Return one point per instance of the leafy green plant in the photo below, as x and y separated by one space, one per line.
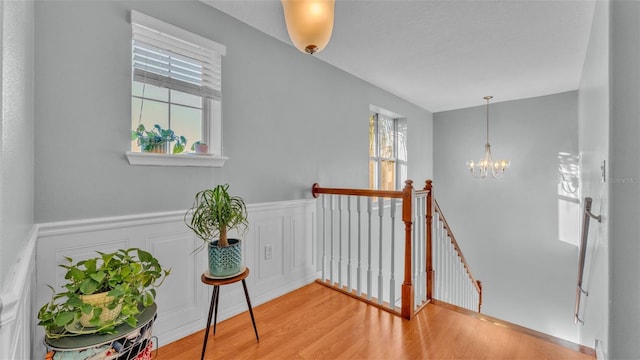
130 278
199 147
214 213
148 139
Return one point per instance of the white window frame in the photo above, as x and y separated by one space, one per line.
377 158
212 108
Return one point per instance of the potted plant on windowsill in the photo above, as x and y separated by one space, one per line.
102 292
200 147
214 213
158 140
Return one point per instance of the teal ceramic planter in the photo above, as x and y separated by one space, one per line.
225 261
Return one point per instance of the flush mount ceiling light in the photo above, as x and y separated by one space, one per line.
309 23
486 165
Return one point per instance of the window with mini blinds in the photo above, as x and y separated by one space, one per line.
175 94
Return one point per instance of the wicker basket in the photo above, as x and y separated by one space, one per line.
163 148
99 300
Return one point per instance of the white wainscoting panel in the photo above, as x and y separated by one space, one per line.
16 315
183 301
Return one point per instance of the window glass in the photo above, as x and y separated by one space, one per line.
388 175
149 91
387 152
153 112
372 135
402 173
386 135
187 122
178 97
402 140
373 174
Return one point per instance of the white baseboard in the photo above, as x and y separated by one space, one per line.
600 351
16 320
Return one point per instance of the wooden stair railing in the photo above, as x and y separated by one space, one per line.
415 262
449 235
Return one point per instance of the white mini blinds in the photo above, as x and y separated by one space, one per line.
168 56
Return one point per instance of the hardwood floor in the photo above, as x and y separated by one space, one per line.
315 322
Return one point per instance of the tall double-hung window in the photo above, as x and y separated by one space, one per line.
387 151
176 85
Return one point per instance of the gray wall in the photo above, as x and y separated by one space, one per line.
508 228
289 120
16 154
624 242
594 149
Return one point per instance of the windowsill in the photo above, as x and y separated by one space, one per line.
188 159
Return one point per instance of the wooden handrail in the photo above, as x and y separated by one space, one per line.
408 194
316 190
457 247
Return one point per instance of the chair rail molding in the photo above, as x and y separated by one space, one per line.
286 227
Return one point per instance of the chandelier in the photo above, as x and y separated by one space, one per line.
309 23
486 165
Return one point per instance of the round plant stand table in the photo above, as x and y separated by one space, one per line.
126 342
215 299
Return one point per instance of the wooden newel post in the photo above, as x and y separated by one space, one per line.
480 295
429 240
407 218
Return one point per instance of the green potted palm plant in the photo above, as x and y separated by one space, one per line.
102 292
213 214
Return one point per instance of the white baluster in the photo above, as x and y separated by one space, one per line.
454 272
469 294
324 237
461 281
332 241
349 246
474 301
445 272
421 250
414 253
340 241
442 278
422 233
380 240
467 303
452 278
472 297
443 267
436 255
392 280
437 243
417 227
369 273
359 271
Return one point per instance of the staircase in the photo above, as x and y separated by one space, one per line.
392 249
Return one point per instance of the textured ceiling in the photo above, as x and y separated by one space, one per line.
444 55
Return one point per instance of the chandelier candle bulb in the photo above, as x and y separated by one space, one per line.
486 165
